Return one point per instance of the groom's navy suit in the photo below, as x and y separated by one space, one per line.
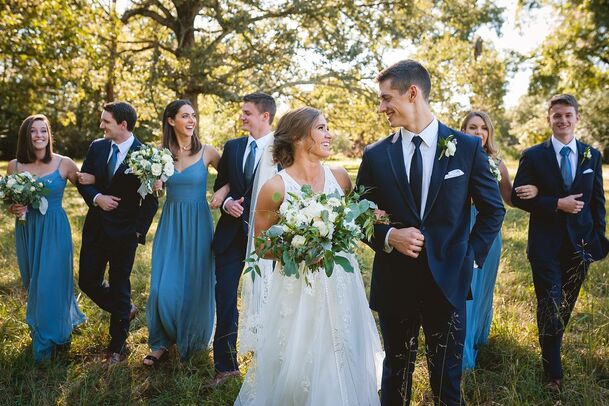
560 245
229 245
430 290
110 237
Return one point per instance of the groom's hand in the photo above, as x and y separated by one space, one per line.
409 241
107 202
570 204
234 208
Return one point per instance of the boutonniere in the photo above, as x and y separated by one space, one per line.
494 169
587 155
448 146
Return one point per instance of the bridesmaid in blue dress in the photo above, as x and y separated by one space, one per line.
44 242
181 305
479 310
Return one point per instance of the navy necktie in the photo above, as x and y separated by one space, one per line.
565 167
248 169
416 173
112 162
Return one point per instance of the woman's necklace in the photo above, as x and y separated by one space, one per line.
186 147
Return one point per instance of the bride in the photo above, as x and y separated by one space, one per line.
318 343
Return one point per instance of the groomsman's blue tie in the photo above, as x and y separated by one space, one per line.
416 173
565 166
248 170
112 162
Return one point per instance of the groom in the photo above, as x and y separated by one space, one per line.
425 176
117 220
237 167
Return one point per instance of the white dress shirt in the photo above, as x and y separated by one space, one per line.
572 156
261 144
123 150
428 155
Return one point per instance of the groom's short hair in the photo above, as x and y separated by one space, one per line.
564 99
406 73
263 102
122 111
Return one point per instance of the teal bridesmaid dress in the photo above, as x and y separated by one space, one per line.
480 308
44 254
181 305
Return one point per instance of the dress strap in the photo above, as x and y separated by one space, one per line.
331 184
59 164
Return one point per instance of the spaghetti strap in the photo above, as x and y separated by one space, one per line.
59 164
203 153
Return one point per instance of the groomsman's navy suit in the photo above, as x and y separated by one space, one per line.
110 237
430 290
561 246
229 245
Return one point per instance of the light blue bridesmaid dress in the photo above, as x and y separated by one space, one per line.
480 309
181 305
44 254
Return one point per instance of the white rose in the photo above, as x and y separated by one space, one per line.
168 169
32 188
156 169
298 241
313 210
301 219
1 194
450 149
167 159
11 182
322 227
283 209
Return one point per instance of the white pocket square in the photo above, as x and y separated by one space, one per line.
453 174
589 170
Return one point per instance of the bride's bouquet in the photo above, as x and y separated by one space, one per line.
313 229
150 164
23 188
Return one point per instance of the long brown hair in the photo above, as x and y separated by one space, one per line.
489 147
25 148
292 127
170 140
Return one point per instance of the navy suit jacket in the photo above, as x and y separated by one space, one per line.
230 170
449 245
549 228
133 213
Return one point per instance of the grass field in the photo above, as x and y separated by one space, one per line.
508 373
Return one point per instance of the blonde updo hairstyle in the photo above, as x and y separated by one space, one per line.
293 127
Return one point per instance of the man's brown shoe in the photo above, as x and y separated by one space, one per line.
222 377
554 385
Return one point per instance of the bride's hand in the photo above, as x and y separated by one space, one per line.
381 216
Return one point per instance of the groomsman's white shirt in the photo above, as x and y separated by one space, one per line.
572 156
261 144
123 150
428 154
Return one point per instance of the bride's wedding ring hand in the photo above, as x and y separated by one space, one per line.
526 192
409 241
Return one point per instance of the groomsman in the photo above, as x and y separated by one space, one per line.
117 220
566 224
425 175
237 167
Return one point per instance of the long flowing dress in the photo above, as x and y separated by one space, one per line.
181 305
480 308
44 254
319 344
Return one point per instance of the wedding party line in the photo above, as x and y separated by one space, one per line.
428 200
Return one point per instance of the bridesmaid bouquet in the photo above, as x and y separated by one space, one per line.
313 229
150 164
23 188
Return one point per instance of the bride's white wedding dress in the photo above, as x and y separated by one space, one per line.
318 344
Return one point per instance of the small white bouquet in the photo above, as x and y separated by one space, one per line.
313 229
150 164
493 164
23 188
